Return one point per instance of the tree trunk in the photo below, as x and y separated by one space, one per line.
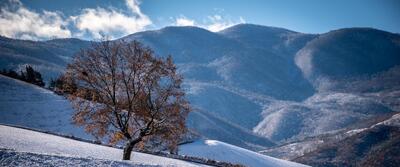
129 147
127 151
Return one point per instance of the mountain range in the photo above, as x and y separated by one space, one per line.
256 86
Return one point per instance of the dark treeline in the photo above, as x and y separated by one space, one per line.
29 75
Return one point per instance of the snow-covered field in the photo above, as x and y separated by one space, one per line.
30 144
12 158
28 105
22 147
221 151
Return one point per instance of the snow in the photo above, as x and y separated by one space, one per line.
393 121
293 150
14 158
221 151
31 106
299 148
355 131
224 66
22 140
321 113
303 60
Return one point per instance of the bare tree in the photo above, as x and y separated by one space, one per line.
124 93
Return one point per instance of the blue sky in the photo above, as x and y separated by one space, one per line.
90 19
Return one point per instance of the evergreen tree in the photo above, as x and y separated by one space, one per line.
30 74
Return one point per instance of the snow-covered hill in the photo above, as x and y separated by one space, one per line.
376 133
11 158
29 144
21 146
31 106
249 83
221 151
252 57
377 145
322 113
355 72
27 105
347 53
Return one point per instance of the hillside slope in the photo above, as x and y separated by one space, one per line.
31 106
245 56
355 79
237 76
27 105
221 151
368 145
322 113
378 145
22 140
49 57
13 158
18 146
348 52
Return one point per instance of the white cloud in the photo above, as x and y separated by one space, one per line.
218 23
133 5
98 22
16 21
183 21
213 23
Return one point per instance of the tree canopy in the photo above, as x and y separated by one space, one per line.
123 92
